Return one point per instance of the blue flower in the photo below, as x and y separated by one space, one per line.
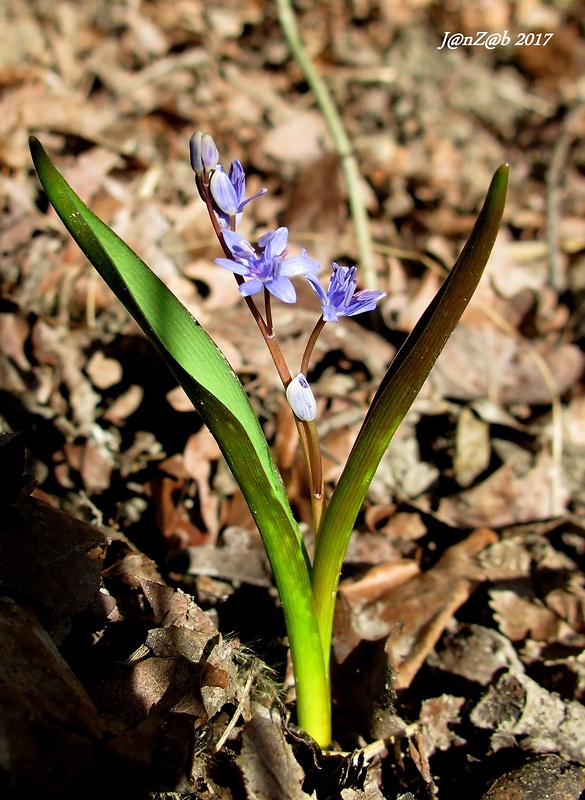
228 193
341 298
269 269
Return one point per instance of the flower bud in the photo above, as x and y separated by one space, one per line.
301 398
204 152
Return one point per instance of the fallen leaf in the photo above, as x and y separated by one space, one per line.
48 561
507 497
475 653
549 776
267 762
50 734
518 707
416 611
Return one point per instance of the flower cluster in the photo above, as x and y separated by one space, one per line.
267 266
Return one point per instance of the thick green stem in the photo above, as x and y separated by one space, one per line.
311 676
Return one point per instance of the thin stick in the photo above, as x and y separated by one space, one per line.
240 707
349 165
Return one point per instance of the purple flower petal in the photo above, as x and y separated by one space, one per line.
203 151
223 193
234 266
269 268
283 289
240 247
319 290
299 265
253 286
244 203
274 242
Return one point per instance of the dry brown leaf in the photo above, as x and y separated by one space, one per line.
172 516
267 762
50 728
127 564
436 715
378 581
172 607
371 791
104 372
201 451
548 776
505 498
296 141
416 611
239 558
472 447
50 561
54 345
124 405
517 706
97 462
487 362
219 284
475 653
526 617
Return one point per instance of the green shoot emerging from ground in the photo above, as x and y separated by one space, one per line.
307 589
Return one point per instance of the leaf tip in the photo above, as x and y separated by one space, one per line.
36 149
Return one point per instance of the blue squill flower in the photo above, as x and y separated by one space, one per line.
341 298
270 269
228 192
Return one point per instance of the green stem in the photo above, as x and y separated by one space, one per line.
341 141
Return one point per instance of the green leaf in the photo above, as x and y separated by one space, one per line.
397 392
220 399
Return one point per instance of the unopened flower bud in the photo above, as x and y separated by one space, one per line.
204 152
301 398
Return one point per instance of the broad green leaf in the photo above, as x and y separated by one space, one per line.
220 399
396 393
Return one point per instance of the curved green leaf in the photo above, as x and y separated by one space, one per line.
220 399
397 392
